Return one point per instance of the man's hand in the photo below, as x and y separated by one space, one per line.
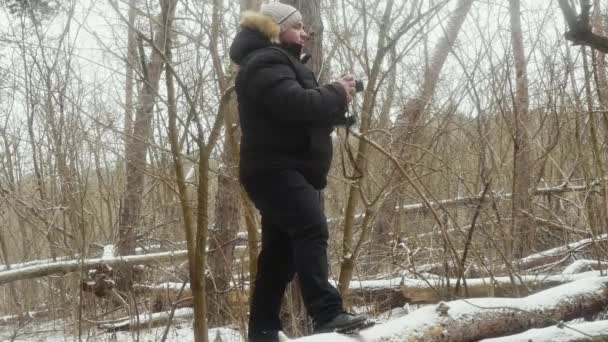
348 83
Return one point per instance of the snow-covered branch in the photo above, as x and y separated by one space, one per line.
472 200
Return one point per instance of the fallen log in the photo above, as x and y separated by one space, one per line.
557 253
584 265
386 294
396 292
31 315
562 332
67 266
474 200
166 294
146 320
479 318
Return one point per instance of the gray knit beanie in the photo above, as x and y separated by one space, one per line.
284 15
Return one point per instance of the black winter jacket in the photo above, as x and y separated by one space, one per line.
286 117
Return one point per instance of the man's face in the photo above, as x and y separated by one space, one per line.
294 34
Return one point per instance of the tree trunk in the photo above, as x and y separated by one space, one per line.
521 239
196 237
227 205
599 70
130 65
136 151
252 5
353 199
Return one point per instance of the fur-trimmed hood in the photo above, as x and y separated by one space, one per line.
257 31
262 23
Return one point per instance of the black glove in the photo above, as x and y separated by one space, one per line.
341 120
350 120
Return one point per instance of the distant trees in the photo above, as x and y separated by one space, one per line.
42 6
480 142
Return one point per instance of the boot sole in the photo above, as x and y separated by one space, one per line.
352 326
353 330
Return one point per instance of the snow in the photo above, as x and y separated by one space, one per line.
401 327
58 331
36 262
109 252
387 332
416 323
566 333
435 280
145 318
583 265
563 249
537 301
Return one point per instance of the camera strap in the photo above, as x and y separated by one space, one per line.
357 174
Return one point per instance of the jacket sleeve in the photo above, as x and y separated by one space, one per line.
272 82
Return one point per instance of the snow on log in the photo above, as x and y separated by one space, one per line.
584 265
67 266
554 254
559 333
474 200
388 293
475 319
146 320
30 315
396 292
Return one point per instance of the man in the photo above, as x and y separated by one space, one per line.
286 120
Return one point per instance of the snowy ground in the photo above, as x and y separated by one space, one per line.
181 330
457 317
57 331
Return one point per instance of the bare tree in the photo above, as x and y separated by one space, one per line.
411 118
223 234
580 31
521 240
136 148
406 122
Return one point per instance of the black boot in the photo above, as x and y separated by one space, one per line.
264 336
342 322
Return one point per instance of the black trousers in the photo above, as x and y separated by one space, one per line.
294 240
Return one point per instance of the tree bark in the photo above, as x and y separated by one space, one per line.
361 157
476 319
136 149
223 234
521 239
599 71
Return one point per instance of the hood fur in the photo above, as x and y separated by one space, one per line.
262 23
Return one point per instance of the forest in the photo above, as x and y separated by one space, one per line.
469 201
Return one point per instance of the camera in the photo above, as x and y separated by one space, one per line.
359 87
344 120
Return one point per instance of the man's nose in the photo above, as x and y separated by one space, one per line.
305 35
